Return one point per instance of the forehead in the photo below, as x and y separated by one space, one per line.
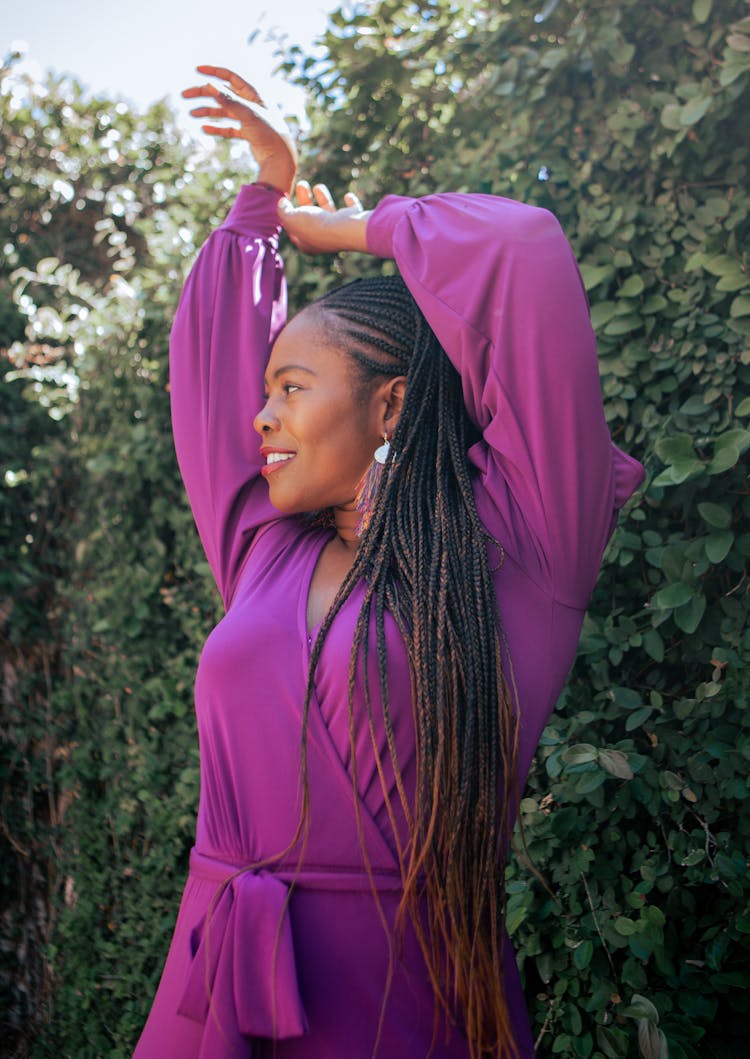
310 338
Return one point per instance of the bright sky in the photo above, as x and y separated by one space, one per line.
143 50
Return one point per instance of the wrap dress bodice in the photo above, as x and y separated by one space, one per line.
281 947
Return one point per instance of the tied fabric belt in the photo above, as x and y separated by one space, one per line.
242 979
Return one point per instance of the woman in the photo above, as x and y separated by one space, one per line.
405 550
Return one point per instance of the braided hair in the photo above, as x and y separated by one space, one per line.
423 557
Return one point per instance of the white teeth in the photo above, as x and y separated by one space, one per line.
277 457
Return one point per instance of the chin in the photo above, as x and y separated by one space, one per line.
289 507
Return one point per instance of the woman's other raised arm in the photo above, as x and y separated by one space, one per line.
499 285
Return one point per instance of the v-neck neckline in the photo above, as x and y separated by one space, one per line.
309 634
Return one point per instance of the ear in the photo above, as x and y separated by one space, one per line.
393 401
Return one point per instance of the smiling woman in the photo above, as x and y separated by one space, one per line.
369 705
318 426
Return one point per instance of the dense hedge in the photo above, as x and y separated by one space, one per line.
105 592
629 121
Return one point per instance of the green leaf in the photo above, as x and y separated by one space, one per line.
654 645
632 286
740 306
626 697
582 955
741 326
692 112
733 281
677 447
670 116
688 616
654 303
638 717
679 472
701 10
743 408
739 42
613 1043
716 515
695 856
625 926
622 53
623 325
593 275
728 448
718 546
735 67
695 261
586 782
694 406
722 265
616 763
515 918
640 1007
580 754
671 596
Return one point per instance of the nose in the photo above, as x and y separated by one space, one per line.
266 420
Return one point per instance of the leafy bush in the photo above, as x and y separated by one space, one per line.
629 122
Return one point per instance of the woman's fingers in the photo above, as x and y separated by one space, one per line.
219 130
303 193
207 112
238 84
205 90
316 229
320 196
323 198
265 130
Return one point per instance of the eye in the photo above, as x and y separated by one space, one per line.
289 387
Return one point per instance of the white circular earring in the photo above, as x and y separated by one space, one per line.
382 451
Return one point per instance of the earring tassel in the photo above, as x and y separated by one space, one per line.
369 486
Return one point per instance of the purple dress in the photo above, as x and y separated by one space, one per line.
499 285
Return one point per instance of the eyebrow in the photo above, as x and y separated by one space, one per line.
291 367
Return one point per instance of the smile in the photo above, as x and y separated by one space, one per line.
274 460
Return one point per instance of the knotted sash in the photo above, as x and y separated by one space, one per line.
242 982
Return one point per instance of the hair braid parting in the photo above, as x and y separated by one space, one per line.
423 557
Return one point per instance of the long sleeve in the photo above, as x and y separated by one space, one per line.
500 287
232 306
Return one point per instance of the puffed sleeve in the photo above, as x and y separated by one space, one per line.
499 285
232 306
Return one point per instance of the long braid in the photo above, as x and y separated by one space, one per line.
423 557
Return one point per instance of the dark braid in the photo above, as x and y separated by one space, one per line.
424 558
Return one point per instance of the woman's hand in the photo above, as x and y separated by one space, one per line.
317 227
265 130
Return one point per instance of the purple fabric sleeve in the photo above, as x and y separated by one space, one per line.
232 306
500 287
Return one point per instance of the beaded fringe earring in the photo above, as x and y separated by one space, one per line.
370 483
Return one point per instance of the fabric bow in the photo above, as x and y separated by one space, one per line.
242 981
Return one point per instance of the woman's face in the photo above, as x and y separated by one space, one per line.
318 431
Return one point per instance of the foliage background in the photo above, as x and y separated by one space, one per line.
629 121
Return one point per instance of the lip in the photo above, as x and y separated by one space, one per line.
270 468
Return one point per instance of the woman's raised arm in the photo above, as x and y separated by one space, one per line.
232 307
